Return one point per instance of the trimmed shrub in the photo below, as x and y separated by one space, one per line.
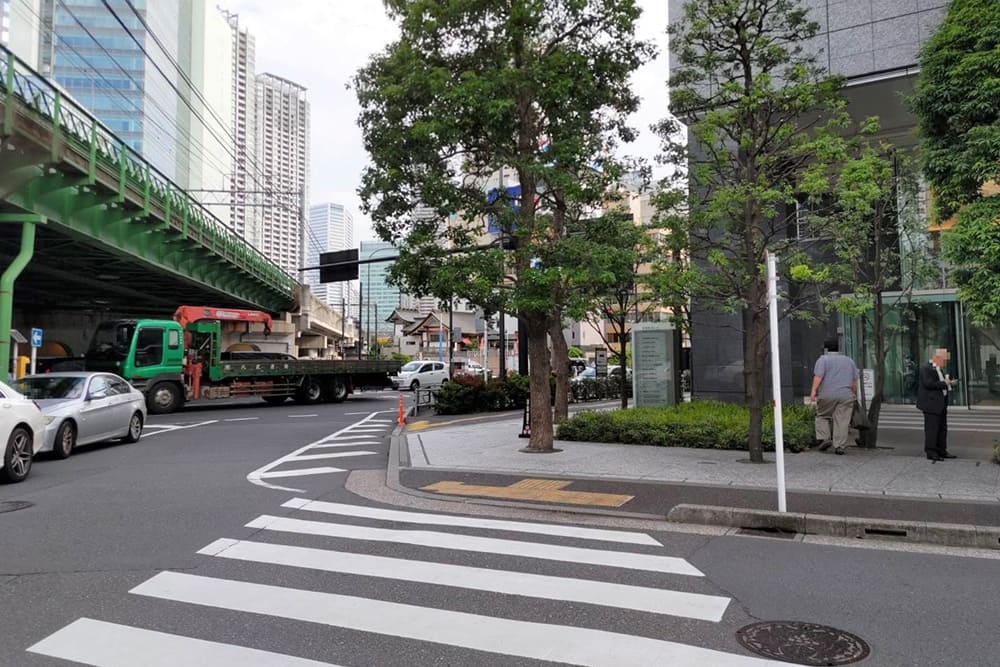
996 452
702 424
469 393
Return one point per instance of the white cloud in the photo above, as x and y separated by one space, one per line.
321 44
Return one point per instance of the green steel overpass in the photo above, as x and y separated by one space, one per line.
86 223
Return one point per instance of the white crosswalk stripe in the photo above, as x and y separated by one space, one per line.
539 641
340 567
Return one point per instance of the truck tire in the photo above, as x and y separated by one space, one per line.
163 398
337 391
310 392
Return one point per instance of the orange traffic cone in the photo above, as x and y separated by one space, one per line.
402 415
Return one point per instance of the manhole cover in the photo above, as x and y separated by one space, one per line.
803 643
13 505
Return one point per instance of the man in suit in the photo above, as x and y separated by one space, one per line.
932 400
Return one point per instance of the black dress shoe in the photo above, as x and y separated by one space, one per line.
933 457
947 456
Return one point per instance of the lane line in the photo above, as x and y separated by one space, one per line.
334 455
301 416
653 600
301 472
347 436
537 641
180 428
242 419
93 642
257 476
359 443
560 530
490 545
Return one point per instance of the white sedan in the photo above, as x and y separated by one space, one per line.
81 408
21 428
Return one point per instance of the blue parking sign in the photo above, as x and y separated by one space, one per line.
36 338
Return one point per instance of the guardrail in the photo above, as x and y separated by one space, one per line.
82 130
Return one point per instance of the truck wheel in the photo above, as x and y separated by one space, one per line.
164 397
310 392
338 390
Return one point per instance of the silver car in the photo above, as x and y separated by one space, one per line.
80 408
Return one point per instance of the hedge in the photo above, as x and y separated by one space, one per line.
704 424
470 393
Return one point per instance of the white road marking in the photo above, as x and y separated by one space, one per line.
561 530
300 472
622 559
241 419
348 436
257 476
103 644
359 443
178 428
334 455
537 641
653 600
301 416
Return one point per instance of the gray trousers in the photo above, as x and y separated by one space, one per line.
833 420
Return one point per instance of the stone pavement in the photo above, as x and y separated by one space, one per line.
492 447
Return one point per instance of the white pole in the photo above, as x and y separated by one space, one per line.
779 436
34 350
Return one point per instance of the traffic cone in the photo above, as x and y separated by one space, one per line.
402 415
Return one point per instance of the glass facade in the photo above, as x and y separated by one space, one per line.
918 324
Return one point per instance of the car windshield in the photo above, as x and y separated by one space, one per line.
51 387
412 366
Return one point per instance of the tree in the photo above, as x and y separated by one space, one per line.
538 89
763 123
876 239
959 125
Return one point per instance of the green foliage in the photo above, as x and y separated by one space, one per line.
575 352
401 358
996 452
470 393
956 102
973 248
764 122
701 424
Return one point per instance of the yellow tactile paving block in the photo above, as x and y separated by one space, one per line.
548 490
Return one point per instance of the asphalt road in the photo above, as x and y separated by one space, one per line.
178 550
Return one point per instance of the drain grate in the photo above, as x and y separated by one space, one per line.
803 643
13 505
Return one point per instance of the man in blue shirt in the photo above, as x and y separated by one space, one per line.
834 387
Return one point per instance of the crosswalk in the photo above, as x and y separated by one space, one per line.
351 560
354 441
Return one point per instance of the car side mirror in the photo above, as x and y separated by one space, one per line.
97 394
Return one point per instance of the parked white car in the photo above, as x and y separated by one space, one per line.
416 374
21 427
81 408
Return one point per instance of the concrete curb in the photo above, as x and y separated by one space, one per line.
944 534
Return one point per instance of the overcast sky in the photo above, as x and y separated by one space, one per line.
320 44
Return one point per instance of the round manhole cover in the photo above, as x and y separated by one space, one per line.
13 505
803 643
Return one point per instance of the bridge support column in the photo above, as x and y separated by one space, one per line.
10 274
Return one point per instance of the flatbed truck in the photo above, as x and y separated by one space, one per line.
180 361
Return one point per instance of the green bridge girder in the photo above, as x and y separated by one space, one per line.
110 214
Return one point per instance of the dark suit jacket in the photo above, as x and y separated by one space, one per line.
929 396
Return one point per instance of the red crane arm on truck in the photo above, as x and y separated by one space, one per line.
185 315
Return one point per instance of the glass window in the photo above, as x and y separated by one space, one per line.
118 386
426 368
50 386
99 387
149 347
983 362
173 339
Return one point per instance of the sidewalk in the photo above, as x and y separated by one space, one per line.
481 459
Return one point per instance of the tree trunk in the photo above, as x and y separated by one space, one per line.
623 365
560 364
539 370
755 357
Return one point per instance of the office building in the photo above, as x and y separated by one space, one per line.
331 227
243 126
282 151
20 28
380 297
874 46
127 75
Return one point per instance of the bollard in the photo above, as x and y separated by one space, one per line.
402 415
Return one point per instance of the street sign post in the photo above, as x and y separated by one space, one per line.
601 362
779 436
36 342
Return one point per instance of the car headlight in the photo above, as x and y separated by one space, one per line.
48 419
